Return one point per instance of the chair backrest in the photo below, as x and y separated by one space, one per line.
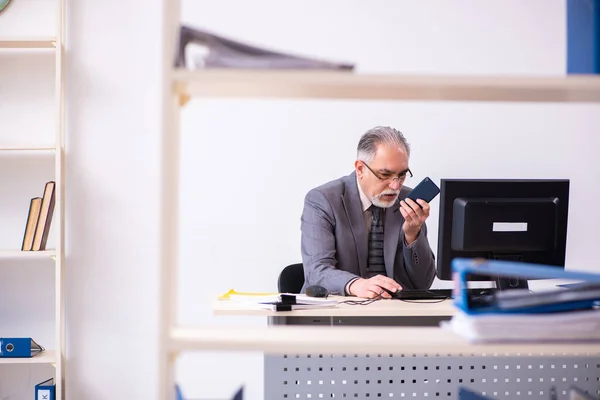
291 279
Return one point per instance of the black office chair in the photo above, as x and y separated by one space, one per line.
291 279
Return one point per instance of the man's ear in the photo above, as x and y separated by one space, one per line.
360 168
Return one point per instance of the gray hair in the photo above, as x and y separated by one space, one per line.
367 145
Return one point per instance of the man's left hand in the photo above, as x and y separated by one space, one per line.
414 217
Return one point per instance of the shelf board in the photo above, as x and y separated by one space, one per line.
28 255
340 340
41 42
348 85
26 148
47 357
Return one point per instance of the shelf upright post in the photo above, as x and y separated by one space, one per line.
169 207
59 217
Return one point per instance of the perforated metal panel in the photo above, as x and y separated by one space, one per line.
320 376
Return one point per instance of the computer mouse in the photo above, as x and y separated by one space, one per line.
392 294
316 291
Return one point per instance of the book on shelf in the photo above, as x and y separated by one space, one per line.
43 224
35 205
39 219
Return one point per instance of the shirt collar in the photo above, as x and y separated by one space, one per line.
364 200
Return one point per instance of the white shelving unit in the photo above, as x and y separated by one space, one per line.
47 357
56 256
28 148
28 42
27 255
180 85
346 85
309 339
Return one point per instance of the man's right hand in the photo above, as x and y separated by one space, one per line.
373 287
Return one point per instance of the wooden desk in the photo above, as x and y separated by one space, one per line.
378 313
399 362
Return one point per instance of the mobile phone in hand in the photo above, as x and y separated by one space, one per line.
425 190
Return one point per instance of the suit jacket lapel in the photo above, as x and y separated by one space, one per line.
392 225
353 209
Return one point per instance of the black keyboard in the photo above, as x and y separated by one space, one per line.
437 294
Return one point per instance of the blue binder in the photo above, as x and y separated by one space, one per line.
45 390
467 394
239 395
178 393
19 347
581 296
583 36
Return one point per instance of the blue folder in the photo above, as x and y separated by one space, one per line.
585 295
467 394
178 393
239 395
583 36
45 390
19 347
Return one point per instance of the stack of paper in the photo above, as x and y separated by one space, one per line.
570 313
278 301
561 326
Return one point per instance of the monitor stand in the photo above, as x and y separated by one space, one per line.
507 283
511 282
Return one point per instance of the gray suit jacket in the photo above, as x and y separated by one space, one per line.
335 241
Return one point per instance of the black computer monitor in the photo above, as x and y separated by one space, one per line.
502 219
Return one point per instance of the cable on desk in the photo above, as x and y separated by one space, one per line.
363 302
380 297
360 302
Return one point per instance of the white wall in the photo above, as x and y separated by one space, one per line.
113 198
248 164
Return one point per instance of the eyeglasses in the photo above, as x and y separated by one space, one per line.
390 177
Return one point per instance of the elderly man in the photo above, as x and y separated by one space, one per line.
354 240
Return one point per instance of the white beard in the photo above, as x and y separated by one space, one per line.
377 200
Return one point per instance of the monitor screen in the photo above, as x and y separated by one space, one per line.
502 219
